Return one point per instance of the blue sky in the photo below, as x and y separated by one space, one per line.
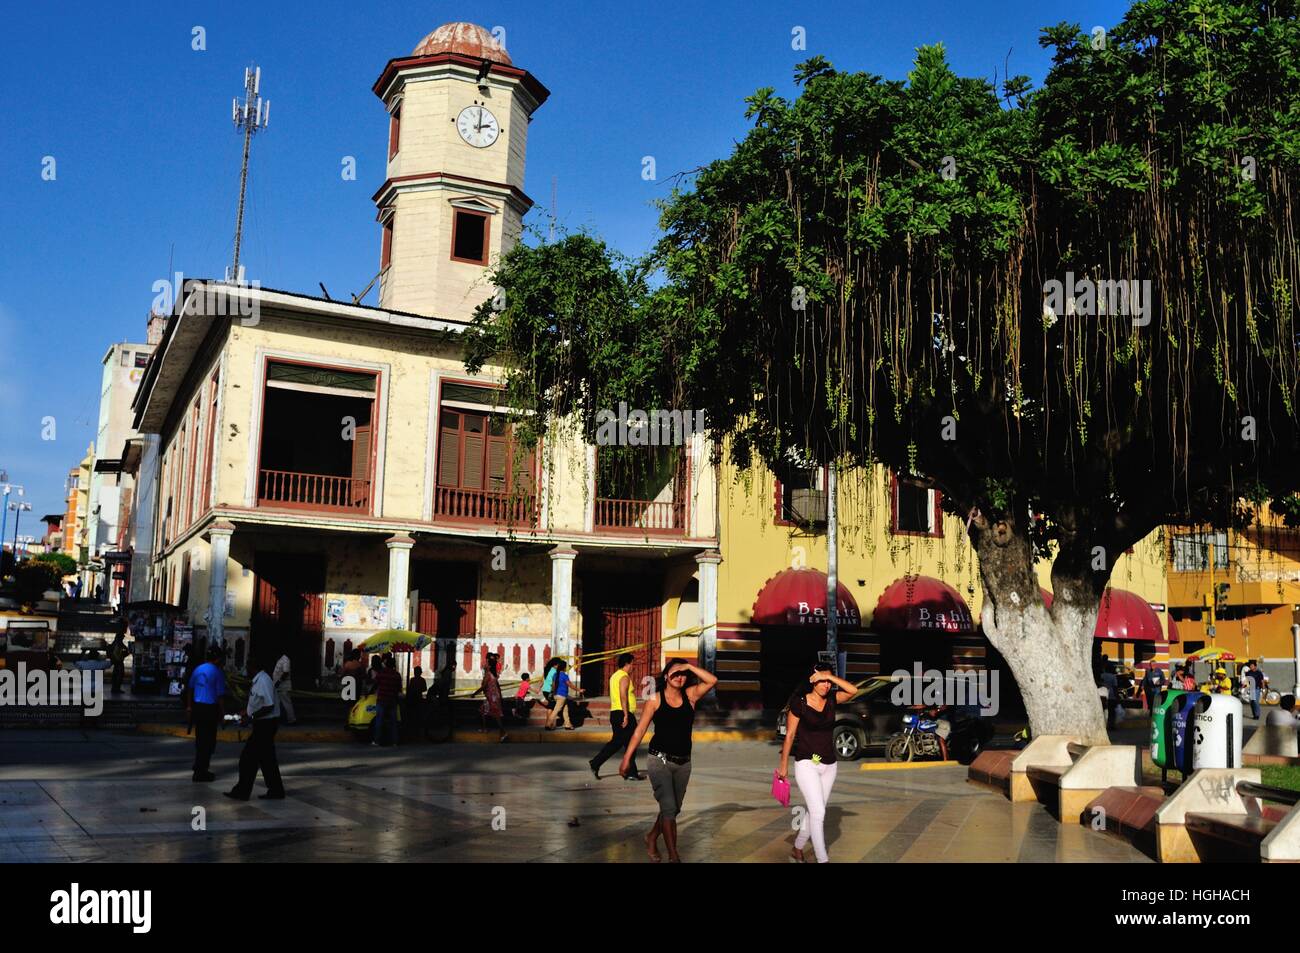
147 160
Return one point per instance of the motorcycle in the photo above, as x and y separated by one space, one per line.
946 732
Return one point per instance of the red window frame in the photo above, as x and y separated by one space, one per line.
456 213
394 131
386 249
374 415
437 445
935 501
778 508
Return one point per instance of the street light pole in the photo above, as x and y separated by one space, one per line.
18 515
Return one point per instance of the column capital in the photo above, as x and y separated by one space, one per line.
709 556
221 528
563 552
399 541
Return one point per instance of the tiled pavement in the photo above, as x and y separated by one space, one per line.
97 797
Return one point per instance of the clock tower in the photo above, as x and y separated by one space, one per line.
453 200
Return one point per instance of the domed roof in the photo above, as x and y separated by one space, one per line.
469 39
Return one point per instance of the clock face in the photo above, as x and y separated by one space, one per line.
477 126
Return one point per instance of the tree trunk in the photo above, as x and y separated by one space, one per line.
1049 651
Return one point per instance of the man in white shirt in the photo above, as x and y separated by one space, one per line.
283 685
259 751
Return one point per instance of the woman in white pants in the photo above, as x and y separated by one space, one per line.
810 733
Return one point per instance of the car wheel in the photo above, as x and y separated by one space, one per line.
848 745
898 749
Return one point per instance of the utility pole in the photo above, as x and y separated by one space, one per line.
250 116
832 571
4 510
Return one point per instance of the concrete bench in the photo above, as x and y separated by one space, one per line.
1048 756
1271 744
1217 813
992 769
1127 812
1067 775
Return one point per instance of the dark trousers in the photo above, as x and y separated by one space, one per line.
385 724
119 670
259 754
623 728
205 736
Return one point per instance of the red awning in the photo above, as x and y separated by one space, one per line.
922 603
798 597
1173 630
1125 617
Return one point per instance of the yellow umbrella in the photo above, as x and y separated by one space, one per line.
386 640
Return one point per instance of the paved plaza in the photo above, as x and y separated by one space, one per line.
65 795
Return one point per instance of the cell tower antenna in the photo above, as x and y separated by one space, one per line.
250 116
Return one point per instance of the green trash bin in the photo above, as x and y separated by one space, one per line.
1162 728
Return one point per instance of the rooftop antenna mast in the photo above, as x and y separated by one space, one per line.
249 117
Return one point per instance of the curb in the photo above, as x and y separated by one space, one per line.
466 736
906 765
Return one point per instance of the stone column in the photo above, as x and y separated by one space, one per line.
708 562
219 551
399 575
562 558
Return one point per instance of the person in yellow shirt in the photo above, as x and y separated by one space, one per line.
622 717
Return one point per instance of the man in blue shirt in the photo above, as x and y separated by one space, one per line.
205 708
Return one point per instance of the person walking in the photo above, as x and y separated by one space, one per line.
672 711
562 689
440 697
259 751
117 654
205 707
622 717
283 679
491 689
548 683
1255 682
1110 683
388 689
413 724
1153 682
810 734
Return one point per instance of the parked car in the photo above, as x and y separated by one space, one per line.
873 716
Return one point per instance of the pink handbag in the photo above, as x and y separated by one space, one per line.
780 789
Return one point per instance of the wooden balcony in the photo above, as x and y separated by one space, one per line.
313 491
484 506
641 516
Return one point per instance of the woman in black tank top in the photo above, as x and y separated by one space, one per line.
672 711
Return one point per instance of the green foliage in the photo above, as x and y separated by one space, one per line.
32 579
64 564
874 255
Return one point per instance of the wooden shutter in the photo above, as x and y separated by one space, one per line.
449 455
498 460
361 465
472 475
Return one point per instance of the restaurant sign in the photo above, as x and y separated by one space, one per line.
805 614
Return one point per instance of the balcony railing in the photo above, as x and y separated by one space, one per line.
312 491
641 516
484 506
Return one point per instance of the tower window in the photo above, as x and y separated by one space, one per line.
386 252
469 237
394 131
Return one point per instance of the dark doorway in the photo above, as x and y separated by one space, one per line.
448 606
787 654
620 612
288 611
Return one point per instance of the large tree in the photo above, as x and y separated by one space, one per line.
925 274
